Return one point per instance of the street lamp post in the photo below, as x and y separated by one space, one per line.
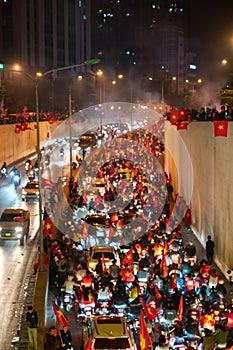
36 85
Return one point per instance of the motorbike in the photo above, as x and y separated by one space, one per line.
4 173
68 301
61 153
31 175
102 307
16 180
47 160
12 174
28 165
86 307
190 259
119 308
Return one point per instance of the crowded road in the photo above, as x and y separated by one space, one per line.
16 263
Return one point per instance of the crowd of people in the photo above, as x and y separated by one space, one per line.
157 272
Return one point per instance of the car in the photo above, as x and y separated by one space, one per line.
96 252
88 140
30 191
97 220
110 332
14 224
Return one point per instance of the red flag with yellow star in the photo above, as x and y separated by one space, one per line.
61 317
174 116
48 227
103 263
182 113
188 217
181 308
145 339
220 127
182 125
88 345
151 312
128 259
158 296
47 182
164 266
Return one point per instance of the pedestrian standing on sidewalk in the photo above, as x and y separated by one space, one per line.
32 322
209 250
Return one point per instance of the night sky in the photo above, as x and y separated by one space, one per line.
211 29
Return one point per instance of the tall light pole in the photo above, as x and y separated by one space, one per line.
99 74
70 121
35 81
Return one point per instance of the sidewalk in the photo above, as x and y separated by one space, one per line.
189 235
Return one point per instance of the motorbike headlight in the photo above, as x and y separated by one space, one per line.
12 173
23 191
18 229
37 193
0 228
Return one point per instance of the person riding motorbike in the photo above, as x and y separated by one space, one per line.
16 179
4 170
190 250
12 173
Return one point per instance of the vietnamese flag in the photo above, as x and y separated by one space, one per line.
48 227
158 296
151 312
181 308
47 182
166 248
182 125
24 126
174 116
138 248
88 345
220 127
145 339
164 266
182 113
61 317
174 281
127 275
17 128
103 263
188 218
128 259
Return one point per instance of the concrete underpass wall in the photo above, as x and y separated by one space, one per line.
212 198
17 146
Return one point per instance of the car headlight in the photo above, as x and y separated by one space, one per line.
18 229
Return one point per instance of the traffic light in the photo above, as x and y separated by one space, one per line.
1 66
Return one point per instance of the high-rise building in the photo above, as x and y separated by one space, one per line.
42 35
143 39
46 33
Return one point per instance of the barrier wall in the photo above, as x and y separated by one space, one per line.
15 146
212 198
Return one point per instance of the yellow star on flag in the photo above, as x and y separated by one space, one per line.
142 342
48 226
221 127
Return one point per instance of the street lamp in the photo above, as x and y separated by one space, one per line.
35 81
